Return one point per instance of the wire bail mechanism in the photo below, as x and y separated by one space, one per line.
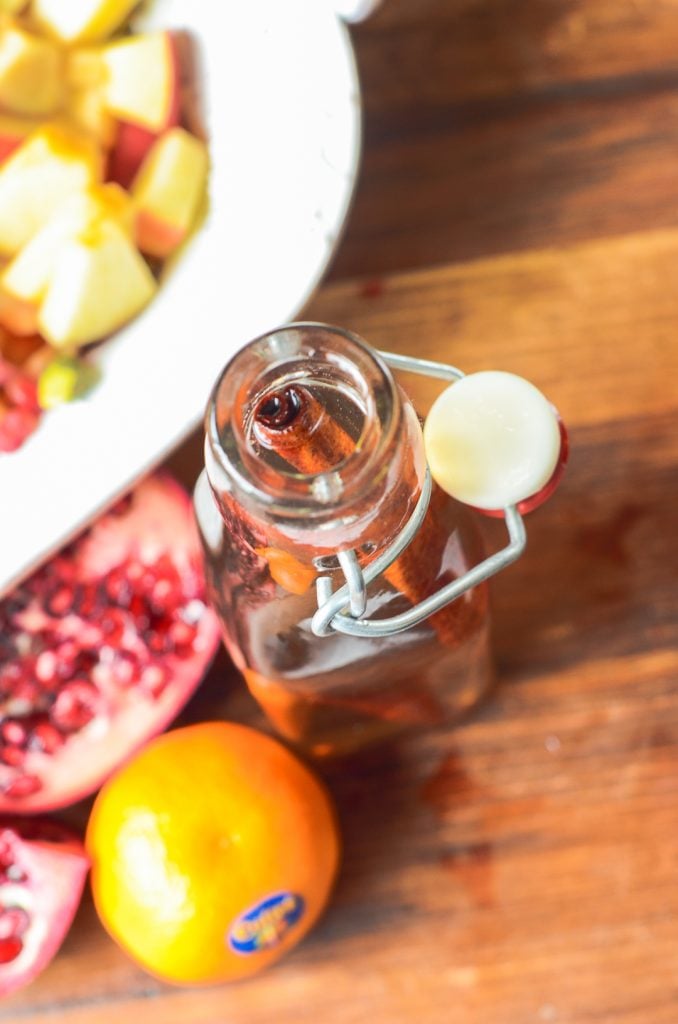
342 611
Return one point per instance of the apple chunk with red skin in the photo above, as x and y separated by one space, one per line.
141 120
142 80
168 192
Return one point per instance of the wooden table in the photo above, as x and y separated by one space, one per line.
518 209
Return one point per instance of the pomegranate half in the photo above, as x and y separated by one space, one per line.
43 867
101 648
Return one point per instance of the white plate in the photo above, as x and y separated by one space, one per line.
281 99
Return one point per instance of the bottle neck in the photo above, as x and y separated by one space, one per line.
309 436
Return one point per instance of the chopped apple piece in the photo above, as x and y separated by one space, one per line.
49 166
31 73
13 131
143 80
99 282
76 21
168 192
87 110
18 316
27 276
85 68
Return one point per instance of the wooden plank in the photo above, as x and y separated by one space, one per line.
441 51
492 127
520 868
595 323
454 182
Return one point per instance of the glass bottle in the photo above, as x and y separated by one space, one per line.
312 449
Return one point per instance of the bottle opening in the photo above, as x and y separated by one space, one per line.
301 421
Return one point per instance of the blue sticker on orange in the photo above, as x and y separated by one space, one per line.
266 924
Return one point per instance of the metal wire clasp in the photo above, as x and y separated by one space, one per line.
343 610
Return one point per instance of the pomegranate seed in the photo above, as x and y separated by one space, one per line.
60 601
182 638
147 581
165 595
14 733
86 661
193 611
46 737
12 756
113 626
88 599
125 670
135 570
158 643
154 679
90 636
117 668
22 391
62 568
13 674
10 949
13 922
68 651
164 566
21 786
118 587
15 426
67 654
75 706
47 667
138 605
22 699
13 873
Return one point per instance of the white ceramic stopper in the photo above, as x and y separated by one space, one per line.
492 439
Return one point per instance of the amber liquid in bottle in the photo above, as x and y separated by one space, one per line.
331 695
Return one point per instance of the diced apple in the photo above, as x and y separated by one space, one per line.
32 73
76 21
99 282
27 276
13 131
49 166
85 68
143 80
168 192
87 110
128 152
17 316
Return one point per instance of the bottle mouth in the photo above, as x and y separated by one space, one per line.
300 422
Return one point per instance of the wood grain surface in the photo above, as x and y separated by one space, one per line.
518 209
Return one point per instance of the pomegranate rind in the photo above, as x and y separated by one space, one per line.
156 521
56 865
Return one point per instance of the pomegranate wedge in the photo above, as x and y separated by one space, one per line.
101 649
43 867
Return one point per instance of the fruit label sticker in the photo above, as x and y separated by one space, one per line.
266 924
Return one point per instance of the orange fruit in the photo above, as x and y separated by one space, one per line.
213 853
